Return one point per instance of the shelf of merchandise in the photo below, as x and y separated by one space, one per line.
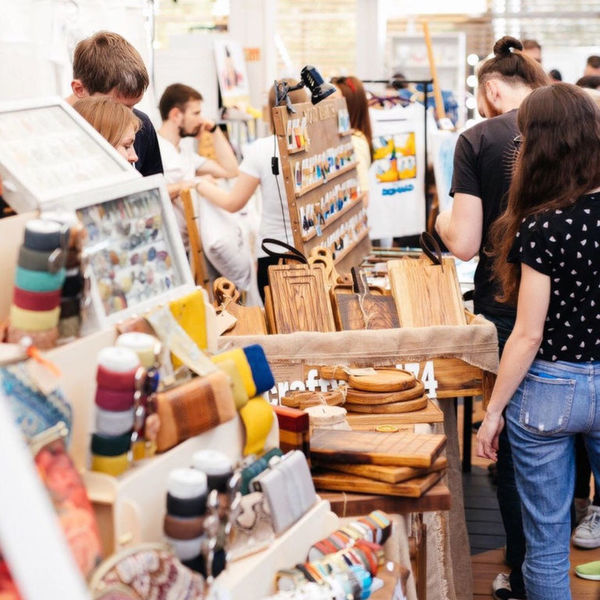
318 184
349 206
339 256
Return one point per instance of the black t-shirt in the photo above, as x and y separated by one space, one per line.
483 165
565 245
146 147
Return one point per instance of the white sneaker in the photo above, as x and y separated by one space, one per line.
501 589
587 533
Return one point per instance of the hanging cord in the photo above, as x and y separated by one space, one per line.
275 169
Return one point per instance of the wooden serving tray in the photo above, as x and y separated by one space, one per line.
387 474
411 488
401 449
386 409
368 422
372 398
384 380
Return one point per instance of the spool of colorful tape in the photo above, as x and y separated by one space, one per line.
109 422
109 445
180 528
39 281
36 300
114 400
45 235
34 320
119 382
49 261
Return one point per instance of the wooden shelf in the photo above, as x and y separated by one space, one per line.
318 184
339 257
297 150
334 217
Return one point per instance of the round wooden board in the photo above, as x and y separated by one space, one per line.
385 380
394 407
374 398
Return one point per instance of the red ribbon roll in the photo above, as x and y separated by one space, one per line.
38 301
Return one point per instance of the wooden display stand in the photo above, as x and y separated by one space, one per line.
320 135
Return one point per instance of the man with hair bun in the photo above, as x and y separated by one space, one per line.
483 162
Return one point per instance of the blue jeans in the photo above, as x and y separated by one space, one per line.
553 403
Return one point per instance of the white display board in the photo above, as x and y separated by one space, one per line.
48 151
397 174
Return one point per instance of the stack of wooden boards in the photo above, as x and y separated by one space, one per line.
395 464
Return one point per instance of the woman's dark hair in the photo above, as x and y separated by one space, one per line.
358 106
559 161
511 65
589 81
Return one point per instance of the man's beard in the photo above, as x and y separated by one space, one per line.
184 133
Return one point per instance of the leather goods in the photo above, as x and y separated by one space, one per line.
34 320
288 488
109 445
36 300
426 290
113 400
257 416
42 340
215 466
110 422
294 429
39 281
361 309
38 260
241 362
111 465
45 235
185 483
118 382
146 571
193 408
257 467
181 528
364 447
240 395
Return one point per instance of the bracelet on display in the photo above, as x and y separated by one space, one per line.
49 261
37 301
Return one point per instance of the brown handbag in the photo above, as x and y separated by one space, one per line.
192 408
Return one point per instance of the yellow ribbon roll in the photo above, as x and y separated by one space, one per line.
34 320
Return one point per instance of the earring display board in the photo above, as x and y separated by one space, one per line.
134 254
47 151
321 184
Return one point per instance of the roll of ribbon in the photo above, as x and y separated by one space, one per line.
45 235
217 467
118 360
73 284
49 261
257 417
186 549
43 340
36 300
39 281
111 465
190 507
141 343
180 528
110 422
109 445
113 400
119 382
70 306
186 483
34 320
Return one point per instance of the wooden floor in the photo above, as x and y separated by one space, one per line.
485 529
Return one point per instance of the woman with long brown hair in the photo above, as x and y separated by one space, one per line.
547 260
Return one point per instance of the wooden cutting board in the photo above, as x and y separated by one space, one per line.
362 309
386 409
386 474
402 449
426 294
384 380
302 400
372 398
412 488
299 299
269 316
368 422
250 319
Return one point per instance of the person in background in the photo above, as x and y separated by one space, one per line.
113 121
358 108
555 75
547 262
592 65
533 49
256 169
180 109
483 163
589 81
106 64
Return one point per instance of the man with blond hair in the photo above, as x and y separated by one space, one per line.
106 64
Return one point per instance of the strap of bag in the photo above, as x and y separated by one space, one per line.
291 254
431 248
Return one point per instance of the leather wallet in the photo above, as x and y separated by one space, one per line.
192 408
288 488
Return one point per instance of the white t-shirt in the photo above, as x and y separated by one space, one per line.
180 165
257 163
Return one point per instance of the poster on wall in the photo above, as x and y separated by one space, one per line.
397 173
232 74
